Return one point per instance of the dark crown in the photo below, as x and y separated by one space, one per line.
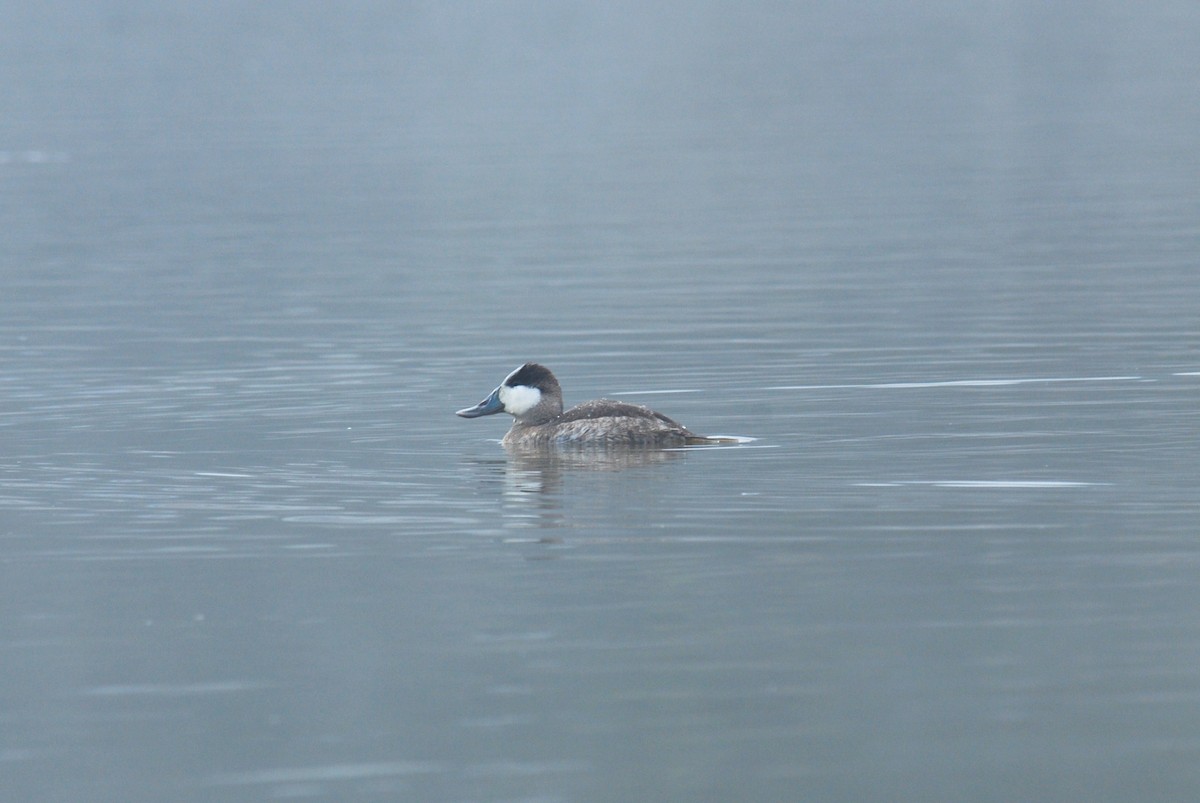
531 375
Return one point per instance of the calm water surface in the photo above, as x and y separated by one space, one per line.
939 263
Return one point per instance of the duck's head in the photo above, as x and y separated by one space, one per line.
529 394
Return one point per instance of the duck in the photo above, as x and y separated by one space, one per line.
532 396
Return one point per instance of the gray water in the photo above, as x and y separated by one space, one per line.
939 260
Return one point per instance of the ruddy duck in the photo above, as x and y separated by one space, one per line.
531 395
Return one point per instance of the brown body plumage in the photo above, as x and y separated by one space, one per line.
603 421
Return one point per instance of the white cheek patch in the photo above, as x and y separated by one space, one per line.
519 400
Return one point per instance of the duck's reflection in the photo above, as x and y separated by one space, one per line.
557 460
532 479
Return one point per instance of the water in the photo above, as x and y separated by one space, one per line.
938 262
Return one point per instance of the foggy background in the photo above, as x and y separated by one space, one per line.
938 259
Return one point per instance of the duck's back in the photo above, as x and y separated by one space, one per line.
606 422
